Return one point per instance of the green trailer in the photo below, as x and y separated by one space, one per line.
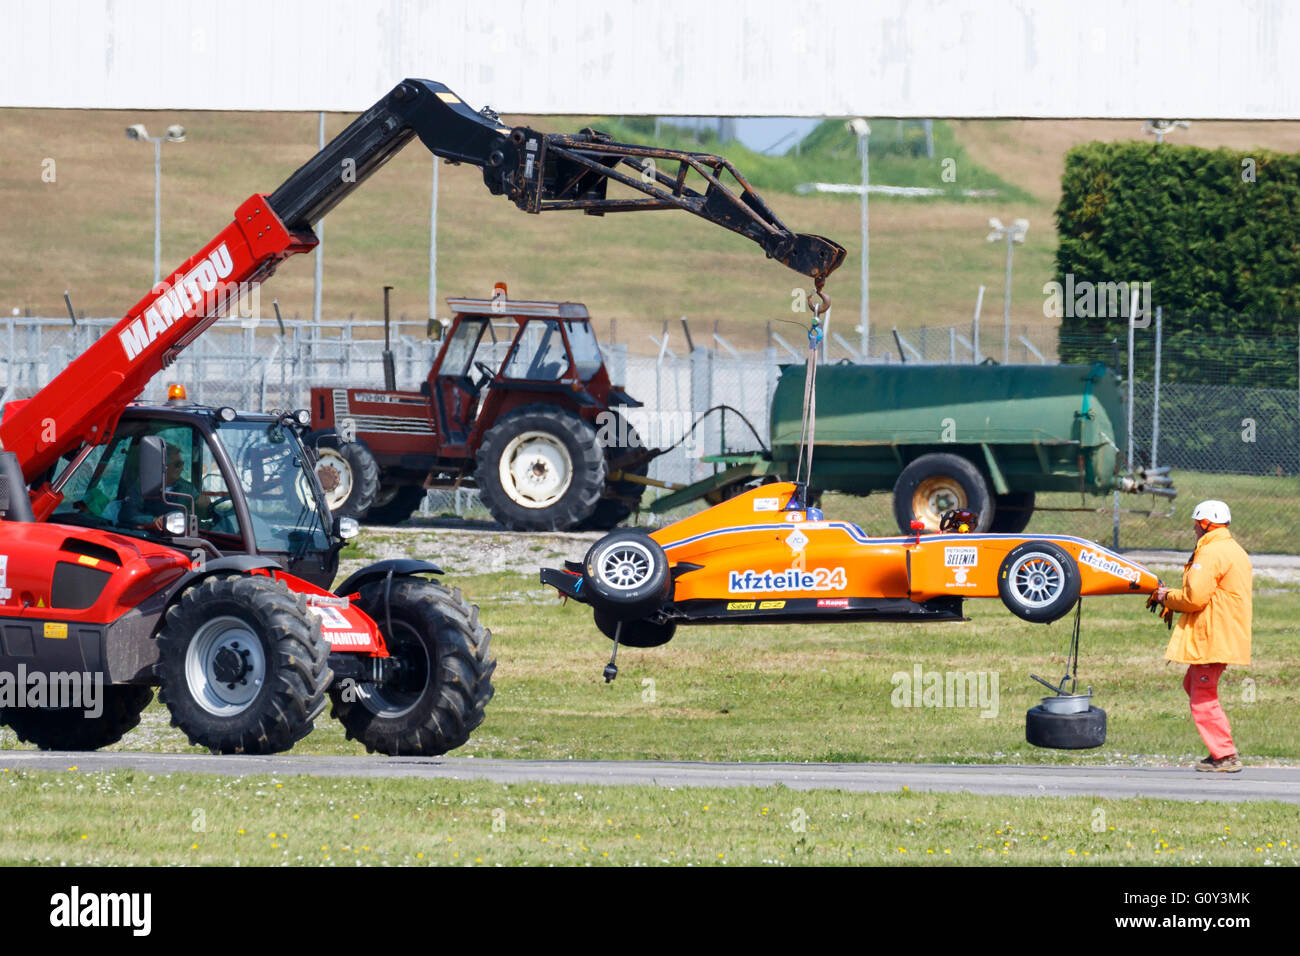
983 437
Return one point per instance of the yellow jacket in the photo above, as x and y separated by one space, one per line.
1214 627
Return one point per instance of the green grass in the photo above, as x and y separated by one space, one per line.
133 818
823 692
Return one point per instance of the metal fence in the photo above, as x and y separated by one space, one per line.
1227 432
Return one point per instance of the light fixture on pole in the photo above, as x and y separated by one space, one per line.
1012 234
1159 128
174 134
860 128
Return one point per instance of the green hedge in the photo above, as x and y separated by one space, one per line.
1222 252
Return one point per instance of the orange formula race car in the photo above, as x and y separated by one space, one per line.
763 556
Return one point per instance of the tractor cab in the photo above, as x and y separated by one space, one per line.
551 351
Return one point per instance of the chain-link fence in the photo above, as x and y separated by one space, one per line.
1223 414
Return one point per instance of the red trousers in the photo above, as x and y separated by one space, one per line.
1202 685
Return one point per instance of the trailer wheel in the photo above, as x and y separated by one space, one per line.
393 505
347 472
626 575
540 468
244 667
1038 581
639 633
939 482
438 695
68 728
1012 511
1080 731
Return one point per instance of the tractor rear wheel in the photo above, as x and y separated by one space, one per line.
444 677
394 505
244 667
68 728
347 471
611 512
540 468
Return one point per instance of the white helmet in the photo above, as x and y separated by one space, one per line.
1213 511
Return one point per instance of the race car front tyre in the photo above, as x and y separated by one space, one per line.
1080 731
625 575
639 633
1038 581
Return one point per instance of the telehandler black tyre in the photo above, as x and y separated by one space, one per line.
445 681
243 664
68 728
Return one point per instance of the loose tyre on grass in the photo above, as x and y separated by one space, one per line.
1080 731
540 468
69 728
641 633
243 665
1038 581
445 677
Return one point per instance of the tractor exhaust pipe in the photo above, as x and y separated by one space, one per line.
390 368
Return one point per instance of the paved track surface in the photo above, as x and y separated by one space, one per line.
1173 783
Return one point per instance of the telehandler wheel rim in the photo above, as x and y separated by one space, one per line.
626 566
335 475
388 701
536 469
225 666
1037 579
934 496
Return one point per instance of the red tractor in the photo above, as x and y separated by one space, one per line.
527 418
190 548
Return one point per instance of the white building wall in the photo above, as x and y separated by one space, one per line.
1196 59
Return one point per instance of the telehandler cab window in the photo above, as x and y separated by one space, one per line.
539 353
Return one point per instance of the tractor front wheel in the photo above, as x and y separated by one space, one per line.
347 472
443 678
244 667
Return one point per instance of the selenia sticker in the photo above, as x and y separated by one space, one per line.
964 557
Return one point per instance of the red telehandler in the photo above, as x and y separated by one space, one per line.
190 548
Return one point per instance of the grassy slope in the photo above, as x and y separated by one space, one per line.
90 230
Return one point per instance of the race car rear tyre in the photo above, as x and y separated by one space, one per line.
68 728
639 633
625 575
540 468
1038 581
1012 512
438 695
940 482
394 505
243 665
347 472
1080 731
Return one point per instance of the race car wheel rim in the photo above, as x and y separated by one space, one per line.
335 476
1037 579
934 496
627 565
225 666
536 469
